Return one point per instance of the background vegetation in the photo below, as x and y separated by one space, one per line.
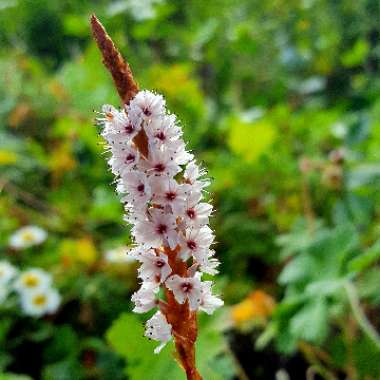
280 99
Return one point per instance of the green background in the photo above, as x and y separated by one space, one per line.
280 102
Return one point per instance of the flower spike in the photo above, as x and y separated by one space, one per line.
163 195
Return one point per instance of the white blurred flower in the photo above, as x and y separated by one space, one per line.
7 273
27 236
33 280
118 255
158 328
339 130
40 302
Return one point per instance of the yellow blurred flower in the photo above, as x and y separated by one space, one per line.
258 305
86 251
7 157
62 160
79 251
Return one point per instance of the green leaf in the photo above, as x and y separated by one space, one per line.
64 370
298 239
368 285
332 251
357 54
65 343
363 174
310 322
286 342
299 268
126 338
366 259
324 287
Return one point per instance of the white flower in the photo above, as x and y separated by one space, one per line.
196 241
118 255
27 236
154 266
207 263
196 213
179 153
7 273
160 163
194 176
108 114
138 187
209 302
158 230
158 328
185 288
146 105
33 280
123 159
118 127
137 251
145 298
167 191
164 131
40 302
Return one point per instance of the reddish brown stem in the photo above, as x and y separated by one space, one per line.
183 321
113 60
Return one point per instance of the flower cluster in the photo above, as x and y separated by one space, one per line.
163 193
34 287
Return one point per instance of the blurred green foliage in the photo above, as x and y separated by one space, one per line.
279 99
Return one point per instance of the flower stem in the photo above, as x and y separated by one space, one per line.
359 315
183 321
